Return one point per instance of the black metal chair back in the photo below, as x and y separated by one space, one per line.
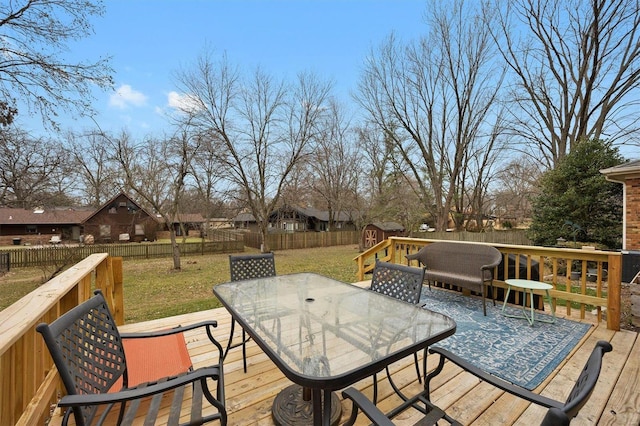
399 281
582 389
87 350
248 266
403 283
558 413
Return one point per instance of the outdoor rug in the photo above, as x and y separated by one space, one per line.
505 347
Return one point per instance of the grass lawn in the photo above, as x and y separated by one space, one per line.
153 290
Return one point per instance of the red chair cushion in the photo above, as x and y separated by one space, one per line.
152 358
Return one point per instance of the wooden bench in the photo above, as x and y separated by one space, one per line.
465 265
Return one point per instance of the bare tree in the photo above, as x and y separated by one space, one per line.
516 186
332 163
207 175
369 196
576 66
264 125
434 99
33 171
156 170
33 69
96 170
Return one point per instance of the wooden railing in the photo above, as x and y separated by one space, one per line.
556 266
29 383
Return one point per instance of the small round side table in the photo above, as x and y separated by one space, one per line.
530 286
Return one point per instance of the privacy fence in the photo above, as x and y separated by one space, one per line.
298 240
513 236
68 254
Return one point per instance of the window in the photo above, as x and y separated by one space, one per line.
139 229
32 229
105 230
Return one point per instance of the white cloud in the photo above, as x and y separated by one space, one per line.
126 97
182 102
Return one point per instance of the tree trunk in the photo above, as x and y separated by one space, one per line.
176 249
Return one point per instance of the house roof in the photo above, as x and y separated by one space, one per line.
321 215
9 216
244 217
67 216
112 200
622 172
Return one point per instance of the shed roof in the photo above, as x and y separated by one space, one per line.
388 226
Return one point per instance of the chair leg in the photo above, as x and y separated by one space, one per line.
230 345
484 305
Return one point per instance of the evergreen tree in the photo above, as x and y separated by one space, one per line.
576 202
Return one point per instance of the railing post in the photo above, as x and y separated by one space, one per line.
118 289
360 268
613 292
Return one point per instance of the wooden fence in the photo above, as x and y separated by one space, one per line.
68 254
514 237
5 265
299 240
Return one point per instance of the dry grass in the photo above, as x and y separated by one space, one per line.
153 289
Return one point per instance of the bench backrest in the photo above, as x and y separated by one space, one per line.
464 258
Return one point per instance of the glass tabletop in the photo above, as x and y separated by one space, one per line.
323 333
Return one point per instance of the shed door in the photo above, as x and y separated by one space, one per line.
370 238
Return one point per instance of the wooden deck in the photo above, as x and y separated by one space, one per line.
616 399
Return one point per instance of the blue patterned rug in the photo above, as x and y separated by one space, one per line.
505 347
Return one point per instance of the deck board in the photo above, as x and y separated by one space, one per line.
249 396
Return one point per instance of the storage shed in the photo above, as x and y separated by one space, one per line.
380 231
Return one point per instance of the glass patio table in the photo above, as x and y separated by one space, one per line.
325 335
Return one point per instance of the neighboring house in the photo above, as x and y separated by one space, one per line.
293 219
37 226
296 219
117 217
628 174
245 221
380 231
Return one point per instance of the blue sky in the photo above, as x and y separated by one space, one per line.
151 40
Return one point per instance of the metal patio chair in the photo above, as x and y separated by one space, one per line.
558 413
403 283
245 267
135 372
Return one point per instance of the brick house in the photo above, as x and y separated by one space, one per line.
37 226
628 174
118 216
